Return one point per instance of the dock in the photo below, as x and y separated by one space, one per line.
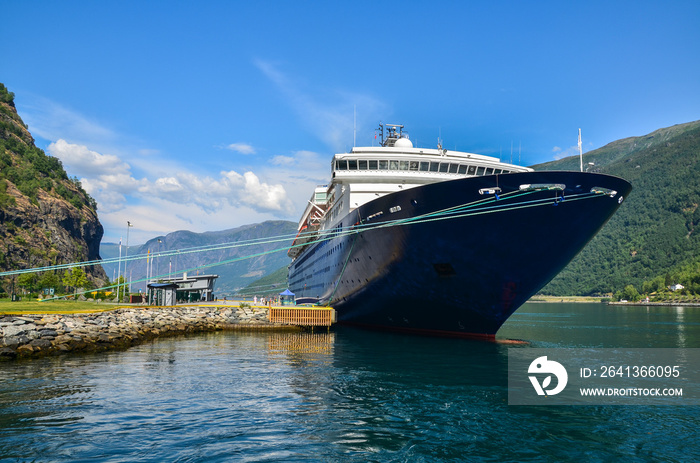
302 316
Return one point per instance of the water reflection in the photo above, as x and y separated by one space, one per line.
602 325
347 395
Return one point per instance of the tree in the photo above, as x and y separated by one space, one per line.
75 278
49 280
630 293
27 281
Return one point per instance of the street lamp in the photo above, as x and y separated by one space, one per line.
126 259
158 255
119 270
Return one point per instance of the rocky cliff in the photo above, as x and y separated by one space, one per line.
46 218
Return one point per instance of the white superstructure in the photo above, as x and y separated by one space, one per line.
366 173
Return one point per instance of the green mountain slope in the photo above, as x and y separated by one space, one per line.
269 285
46 217
656 229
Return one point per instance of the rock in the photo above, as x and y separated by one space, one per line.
7 353
25 349
12 330
57 334
40 343
62 339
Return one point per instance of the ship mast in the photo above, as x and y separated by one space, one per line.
580 152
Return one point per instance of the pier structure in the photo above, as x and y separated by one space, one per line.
302 316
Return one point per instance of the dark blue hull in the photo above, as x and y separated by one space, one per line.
460 256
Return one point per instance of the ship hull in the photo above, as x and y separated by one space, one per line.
456 258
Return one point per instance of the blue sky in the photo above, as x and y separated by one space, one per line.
209 115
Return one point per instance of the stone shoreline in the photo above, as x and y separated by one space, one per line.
24 336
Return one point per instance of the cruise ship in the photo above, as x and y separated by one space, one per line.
434 241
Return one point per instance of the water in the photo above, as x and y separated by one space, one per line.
348 395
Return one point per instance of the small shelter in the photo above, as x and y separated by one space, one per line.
287 297
192 288
162 294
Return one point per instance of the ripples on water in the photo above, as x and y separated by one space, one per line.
347 395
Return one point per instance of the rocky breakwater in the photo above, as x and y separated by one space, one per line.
39 335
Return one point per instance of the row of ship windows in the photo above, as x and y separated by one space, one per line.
301 271
421 166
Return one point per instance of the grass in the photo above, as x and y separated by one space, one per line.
8 307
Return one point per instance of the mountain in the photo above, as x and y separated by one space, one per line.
46 217
252 261
657 229
269 285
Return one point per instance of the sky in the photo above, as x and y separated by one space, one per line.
210 115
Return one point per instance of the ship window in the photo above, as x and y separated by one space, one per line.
462 169
471 170
413 165
383 165
393 165
453 168
489 171
505 171
480 171
341 165
403 165
434 166
352 164
424 166
372 165
362 165
496 171
444 166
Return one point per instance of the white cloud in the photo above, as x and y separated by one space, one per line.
301 165
262 195
283 161
243 148
85 162
111 182
560 153
52 121
299 174
130 183
331 119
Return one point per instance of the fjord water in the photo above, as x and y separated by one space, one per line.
347 395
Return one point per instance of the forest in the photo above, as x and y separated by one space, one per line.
652 242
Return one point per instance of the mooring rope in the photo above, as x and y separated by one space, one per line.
487 205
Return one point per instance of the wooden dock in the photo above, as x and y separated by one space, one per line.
302 316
